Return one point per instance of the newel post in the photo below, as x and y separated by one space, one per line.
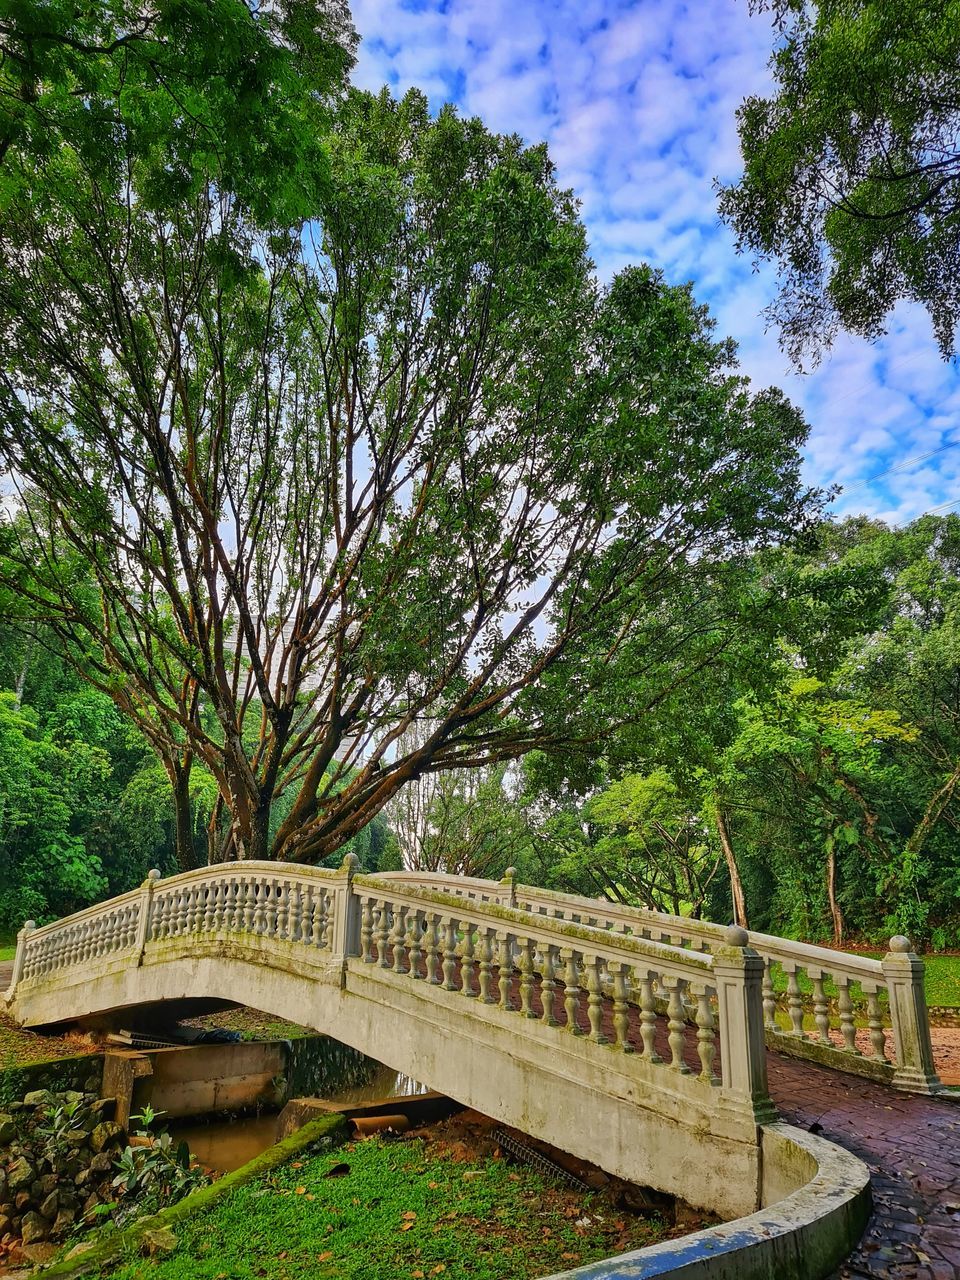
146 912
20 956
903 972
738 974
345 939
508 888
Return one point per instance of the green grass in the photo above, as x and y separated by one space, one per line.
7 952
941 980
400 1212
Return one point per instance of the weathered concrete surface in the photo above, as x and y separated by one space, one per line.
801 1237
535 1078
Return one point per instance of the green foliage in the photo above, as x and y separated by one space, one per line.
397 1209
852 168
152 1175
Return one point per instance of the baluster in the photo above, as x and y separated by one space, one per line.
821 1008
247 895
259 888
485 978
505 979
383 934
270 912
431 937
283 911
847 1027
219 906
769 999
526 977
414 937
210 911
571 991
467 965
706 1034
193 905
621 1003
675 1024
366 931
548 985
595 999
878 1039
449 953
296 913
312 932
324 919
794 1001
396 937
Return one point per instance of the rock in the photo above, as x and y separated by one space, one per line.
107 1134
73 1095
22 1200
5 1225
104 1107
65 1219
160 1240
51 1205
38 1254
75 1137
91 1084
20 1174
34 1228
101 1163
90 1203
38 1098
83 1247
3 1185
596 1179
82 1178
8 1130
49 1182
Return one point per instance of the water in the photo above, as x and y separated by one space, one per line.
227 1144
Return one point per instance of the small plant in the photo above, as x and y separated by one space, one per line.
156 1174
56 1122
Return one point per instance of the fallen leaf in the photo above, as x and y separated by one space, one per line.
297 1164
310 1196
300 1191
441 1266
408 1216
407 1225
433 1185
570 1257
325 1257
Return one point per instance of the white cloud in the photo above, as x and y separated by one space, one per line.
638 99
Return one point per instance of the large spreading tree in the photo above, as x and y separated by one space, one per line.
287 493
851 179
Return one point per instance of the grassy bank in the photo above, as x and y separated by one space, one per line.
396 1211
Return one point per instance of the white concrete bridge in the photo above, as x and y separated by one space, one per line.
632 1039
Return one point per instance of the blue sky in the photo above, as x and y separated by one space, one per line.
637 100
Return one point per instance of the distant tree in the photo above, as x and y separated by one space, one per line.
851 177
292 495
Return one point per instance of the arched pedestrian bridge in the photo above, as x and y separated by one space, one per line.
632 1039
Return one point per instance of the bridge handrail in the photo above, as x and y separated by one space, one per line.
834 1036
681 962
420 932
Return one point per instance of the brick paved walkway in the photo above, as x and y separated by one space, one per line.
912 1148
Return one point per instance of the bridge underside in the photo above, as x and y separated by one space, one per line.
540 1085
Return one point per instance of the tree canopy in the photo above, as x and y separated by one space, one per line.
851 178
285 494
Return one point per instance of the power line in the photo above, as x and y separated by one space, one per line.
905 465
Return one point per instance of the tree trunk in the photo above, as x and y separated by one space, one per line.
835 913
180 778
737 895
23 672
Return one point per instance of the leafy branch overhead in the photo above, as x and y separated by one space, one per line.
851 179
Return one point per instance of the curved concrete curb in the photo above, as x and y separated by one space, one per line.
819 1201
